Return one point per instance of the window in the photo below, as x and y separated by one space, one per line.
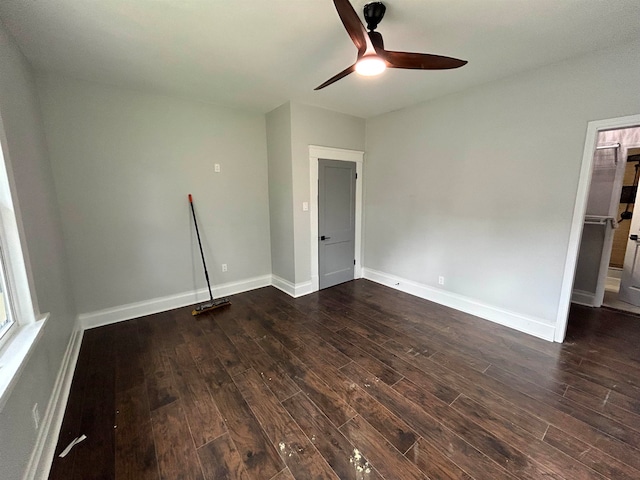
20 322
6 310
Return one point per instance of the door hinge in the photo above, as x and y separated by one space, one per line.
354 262
356 175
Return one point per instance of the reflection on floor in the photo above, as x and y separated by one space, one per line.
611 300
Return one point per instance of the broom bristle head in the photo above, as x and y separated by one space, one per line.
211 305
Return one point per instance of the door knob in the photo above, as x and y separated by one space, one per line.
633 237
324 238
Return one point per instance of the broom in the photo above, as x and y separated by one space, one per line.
212 303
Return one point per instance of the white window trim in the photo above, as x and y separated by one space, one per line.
6 298
19 342
15 354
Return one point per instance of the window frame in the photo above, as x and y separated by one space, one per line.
19 341
6 332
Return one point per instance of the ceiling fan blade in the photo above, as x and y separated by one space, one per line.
337 77
421 61
352 24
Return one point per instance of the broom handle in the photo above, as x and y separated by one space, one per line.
204 264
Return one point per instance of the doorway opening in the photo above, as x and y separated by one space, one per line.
595 216
316 153
622 282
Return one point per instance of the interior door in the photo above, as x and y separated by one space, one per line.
336 221
630 279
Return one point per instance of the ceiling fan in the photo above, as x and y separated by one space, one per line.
372 58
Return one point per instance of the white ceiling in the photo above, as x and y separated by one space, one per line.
257 54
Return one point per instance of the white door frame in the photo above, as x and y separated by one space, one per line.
327 153
579 210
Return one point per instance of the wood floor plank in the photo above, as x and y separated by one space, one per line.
296 337
368 442
161 388
135 453
256 451
475 390
611 410
95 457
220 460
177 458
592 457
438 388
622 401
339 453
394 429
429 460
279 382
294 447
369 318
284 475
232 359
457 450
445 358
494 446
358 355
327 400
493 388
458 339
280 326
576 410
201 412
129 361
619 381
555 461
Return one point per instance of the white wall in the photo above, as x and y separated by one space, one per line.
124 162
315 126
35 201
479 187
281 192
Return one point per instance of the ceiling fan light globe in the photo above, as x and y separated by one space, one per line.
370 66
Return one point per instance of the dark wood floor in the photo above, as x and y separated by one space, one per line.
355 382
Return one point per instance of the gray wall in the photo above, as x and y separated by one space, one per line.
479 187
281 192
123 164
315 126
35 198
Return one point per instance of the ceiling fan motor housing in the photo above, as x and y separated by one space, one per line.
373 14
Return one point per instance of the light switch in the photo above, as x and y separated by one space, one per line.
305 206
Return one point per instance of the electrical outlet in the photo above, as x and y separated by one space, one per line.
216 167
224 267
440 280
36 416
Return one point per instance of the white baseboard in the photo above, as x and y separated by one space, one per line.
523 323
162 304
295 291
582 297
44 449
614 272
